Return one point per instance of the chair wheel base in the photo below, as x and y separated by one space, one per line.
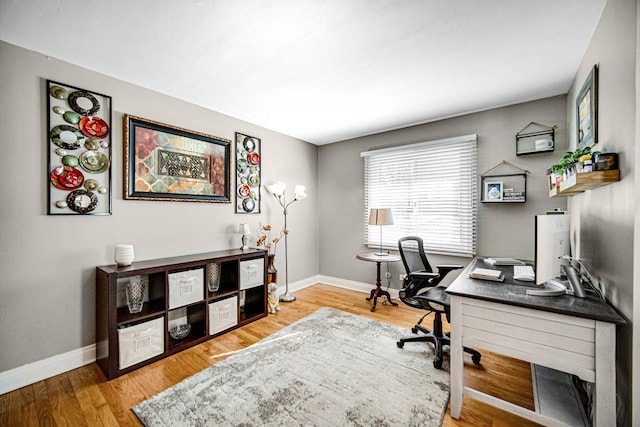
437 364
414 330
400 344
476 358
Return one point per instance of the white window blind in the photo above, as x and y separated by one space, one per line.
431 188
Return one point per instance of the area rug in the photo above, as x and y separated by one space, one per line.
329 368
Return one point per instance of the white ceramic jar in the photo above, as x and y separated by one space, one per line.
124 255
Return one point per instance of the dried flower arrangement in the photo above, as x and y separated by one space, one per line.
264 239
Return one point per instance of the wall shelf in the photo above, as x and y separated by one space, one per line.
504 183
535 138
581 182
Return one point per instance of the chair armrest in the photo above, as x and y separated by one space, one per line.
423 275
450 266
445 269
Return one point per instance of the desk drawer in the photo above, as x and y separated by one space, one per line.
530 335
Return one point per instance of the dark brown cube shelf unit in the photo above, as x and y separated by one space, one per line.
127 341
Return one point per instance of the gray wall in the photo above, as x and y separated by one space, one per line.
47 298
603 219
503 229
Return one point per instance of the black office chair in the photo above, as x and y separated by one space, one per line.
435 300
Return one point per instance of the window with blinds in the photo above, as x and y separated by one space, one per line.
431 188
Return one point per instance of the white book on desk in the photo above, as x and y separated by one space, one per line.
487 274
504 261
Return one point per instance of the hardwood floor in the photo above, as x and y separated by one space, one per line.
83 397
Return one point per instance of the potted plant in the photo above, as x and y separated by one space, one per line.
567 164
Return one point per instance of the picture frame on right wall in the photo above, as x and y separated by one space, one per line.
587 111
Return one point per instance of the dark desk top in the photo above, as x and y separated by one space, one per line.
513 292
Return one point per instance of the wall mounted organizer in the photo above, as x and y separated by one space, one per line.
535 138
504 183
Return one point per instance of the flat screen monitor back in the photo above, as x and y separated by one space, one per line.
552 242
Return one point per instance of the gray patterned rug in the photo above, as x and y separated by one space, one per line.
330 368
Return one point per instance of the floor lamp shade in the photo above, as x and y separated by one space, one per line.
380 217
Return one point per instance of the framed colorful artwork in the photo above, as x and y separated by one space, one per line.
164 162
248 167
79 151
587 111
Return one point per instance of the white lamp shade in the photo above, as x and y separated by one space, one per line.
277 188
300 193
380 217
244 229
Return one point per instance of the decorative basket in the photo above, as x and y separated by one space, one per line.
179 332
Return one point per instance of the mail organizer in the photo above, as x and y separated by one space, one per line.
176 296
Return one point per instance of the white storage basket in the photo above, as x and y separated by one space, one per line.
251 273
223 315
186 287
140 342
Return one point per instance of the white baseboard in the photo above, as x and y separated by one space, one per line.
338 283
352 285
46 368
41 370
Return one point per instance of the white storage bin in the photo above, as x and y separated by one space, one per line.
140 342
251 273
186 287
223 315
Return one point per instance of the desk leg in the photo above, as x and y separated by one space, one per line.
456 357
605 394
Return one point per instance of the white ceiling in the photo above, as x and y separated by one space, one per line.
320 70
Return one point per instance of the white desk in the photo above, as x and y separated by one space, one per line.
573 335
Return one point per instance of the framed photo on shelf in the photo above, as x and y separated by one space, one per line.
248 168
587 111
493 191
164 162
78 150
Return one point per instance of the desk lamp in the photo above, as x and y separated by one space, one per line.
380 217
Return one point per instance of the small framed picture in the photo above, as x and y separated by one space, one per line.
493 191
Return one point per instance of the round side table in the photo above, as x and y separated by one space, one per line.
378 259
